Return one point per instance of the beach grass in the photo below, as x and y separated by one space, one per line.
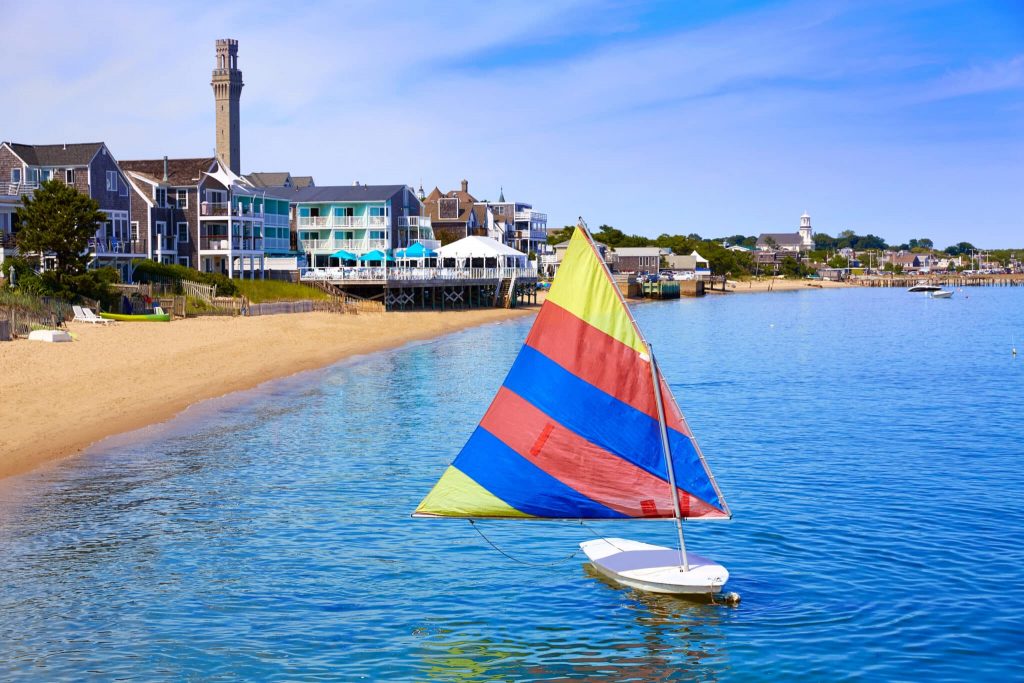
261 291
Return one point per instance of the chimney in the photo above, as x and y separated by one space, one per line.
165 169
65 145
465 185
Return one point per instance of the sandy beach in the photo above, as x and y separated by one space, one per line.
780 285
57 399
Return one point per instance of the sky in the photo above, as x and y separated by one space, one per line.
902 119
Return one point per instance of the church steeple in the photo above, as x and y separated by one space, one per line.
501 196
805 231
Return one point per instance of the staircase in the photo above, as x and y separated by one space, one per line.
505 294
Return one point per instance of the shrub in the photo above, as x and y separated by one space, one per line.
151 271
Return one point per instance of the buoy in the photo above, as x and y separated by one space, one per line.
731 599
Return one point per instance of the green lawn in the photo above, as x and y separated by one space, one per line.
260 291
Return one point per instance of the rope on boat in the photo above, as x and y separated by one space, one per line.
516 559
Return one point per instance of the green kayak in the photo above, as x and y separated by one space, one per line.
145 318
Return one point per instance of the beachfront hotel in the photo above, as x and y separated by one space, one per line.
336 222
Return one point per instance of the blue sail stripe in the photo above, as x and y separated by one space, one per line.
519 483
606 421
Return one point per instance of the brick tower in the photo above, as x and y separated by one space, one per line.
227 91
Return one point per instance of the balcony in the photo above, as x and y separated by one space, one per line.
114 247
236 243
164 244
24 188
207 209
332 245
414 222
343 221
531 216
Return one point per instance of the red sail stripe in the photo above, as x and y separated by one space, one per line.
596 473
601 360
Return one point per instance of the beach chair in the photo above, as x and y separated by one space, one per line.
92 317
80 315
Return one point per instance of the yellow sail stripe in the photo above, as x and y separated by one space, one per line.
583 288
456 495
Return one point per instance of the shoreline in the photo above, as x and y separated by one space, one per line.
60 399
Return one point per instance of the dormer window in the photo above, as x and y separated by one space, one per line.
448 208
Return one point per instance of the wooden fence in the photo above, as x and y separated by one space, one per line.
198 290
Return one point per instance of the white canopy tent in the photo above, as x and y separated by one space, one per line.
481 252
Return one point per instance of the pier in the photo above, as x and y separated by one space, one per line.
431 289
945 280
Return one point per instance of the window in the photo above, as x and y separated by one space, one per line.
160 193
378 211
182 199
69 176
15 175
111 181
448 208
135 230
181 232
161 228
33 175
376 234
122 188
47 174
183 261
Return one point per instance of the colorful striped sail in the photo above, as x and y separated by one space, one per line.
574 432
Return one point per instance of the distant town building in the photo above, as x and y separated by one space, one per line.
455 214
794 242
636 259
516 224
689 263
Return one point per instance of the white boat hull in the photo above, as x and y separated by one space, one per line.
941 294
654 568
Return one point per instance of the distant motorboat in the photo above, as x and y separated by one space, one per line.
941 294
925 288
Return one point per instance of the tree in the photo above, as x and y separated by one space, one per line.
561 235
59 220
792 268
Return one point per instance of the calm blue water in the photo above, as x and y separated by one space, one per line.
869 443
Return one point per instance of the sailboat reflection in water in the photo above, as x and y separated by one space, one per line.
578 431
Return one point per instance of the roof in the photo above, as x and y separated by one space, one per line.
466 206
179 171
781 238
302 181
638 251
342 193
476 246
76 154
273 179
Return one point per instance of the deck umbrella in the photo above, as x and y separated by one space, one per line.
344 255
416 250
377 255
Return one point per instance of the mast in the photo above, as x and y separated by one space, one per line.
684 564
663 428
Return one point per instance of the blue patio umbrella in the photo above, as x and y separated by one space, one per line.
417 250
344 255
376 255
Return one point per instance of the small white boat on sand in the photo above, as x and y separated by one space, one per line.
941 294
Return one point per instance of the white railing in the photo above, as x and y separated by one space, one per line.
25 187
282 243
415 274
531 216
414 222
342 221
332 245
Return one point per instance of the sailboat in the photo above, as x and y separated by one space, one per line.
585 427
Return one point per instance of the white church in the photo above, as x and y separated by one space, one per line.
801 240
